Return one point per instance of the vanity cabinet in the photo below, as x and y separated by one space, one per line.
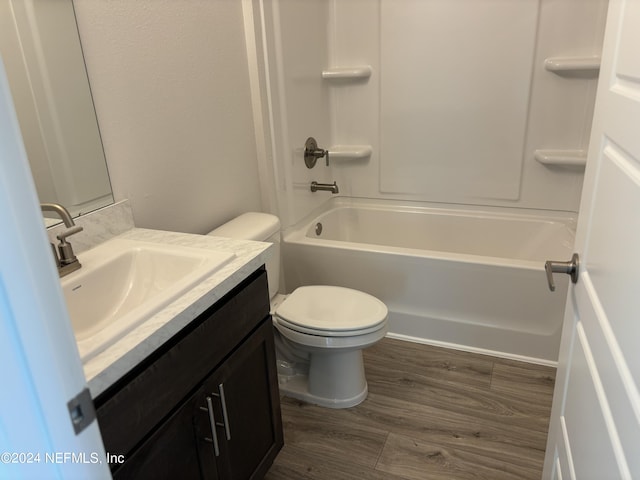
205 404
232 407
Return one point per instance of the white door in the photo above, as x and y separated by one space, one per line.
44 433
595 419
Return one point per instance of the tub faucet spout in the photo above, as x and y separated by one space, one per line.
328 187
65 259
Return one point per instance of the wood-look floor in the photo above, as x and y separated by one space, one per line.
431 413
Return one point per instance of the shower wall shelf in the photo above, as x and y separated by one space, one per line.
350 152
561 158
347 73
569 65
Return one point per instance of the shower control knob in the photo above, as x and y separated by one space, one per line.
312 153
570 268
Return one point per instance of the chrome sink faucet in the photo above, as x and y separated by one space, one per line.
65 259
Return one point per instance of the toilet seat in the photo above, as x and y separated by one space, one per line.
331 311
327 333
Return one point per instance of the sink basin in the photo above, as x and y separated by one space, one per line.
124 282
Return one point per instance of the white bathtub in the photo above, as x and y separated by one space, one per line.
466 278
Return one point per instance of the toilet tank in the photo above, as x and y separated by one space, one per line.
262 227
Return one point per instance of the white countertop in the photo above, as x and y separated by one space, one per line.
109 366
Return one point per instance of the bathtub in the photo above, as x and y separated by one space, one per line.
466 278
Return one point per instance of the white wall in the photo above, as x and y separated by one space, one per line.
171 88
458 101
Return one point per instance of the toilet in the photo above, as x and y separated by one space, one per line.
320 330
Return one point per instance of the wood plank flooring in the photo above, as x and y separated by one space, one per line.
431 413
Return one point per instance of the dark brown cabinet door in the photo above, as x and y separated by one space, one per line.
244 395
170 452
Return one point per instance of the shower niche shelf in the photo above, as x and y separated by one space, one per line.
359 72
561 158
350 153
586 66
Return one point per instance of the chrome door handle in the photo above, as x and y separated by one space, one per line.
225 417
212 424
570 268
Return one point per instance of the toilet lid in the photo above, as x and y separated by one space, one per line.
330 310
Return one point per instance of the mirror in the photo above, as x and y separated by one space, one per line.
41 51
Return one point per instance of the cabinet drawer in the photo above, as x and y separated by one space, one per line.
129 410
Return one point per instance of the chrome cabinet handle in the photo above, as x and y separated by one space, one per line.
225 417
212 424
571 267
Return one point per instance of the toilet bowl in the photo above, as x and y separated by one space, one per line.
320 330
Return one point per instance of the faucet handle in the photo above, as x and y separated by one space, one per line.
65 250
68 232
312 153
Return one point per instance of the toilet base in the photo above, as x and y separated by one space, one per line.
334 380
297 387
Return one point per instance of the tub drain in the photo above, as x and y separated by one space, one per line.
318 228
